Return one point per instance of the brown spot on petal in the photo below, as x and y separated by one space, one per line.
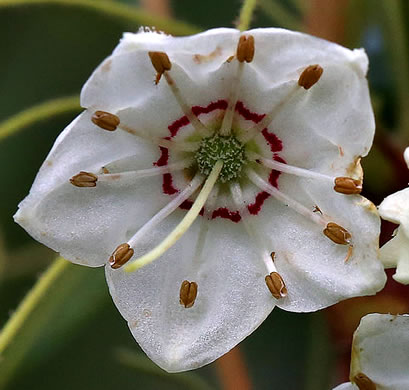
245 48
105 120
84 179
120 256
363 382
337 234
310 76
347 185
188 293
203 58
276 285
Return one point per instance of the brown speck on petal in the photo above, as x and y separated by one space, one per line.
347 185
188 293
276 285
84 179
245 48
337 234
120 256
310 76
105 120
161 63
363 382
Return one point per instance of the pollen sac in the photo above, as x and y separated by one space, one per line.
337 234
245 48
347 185
105 120
310 76
161 63
276 285
363 382
84 179
120 256
188 293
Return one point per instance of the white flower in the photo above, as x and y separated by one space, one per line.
395 253
272 121
380 354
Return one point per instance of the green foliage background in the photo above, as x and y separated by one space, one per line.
75 338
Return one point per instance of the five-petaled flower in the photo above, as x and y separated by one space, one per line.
395 253
380 354
232 160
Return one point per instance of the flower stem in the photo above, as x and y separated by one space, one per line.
30 302
38 113
246 13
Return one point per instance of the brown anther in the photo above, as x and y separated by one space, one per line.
120 256
363 382
276 285
105 120
347 185
273 256
310 76
230 59
245 48
188 293
84 179
160 62
337 234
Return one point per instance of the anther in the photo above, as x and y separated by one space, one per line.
337 234
84 179
347 185
188 293
245 48
276 285
160 62
363 382
105 120
120 256
310 76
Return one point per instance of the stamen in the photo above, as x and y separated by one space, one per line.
84 179
267 257
337 234
363 382
268 118
188 293
168 209
245 48
347 185
105 120
276 285
162 65
299 208
310 76
120 256
176 166
165 143
286 168
349 253
182 227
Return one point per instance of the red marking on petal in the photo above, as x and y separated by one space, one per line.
255 207
164 157
187 205
177 124
223 212
167 185
247 114
275 143
218 105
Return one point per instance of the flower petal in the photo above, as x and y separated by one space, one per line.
232 299
380 350
346 386
318 272
85 224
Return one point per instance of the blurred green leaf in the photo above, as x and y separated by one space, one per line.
280 14
142 364
63 298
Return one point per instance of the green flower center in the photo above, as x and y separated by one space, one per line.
226 148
